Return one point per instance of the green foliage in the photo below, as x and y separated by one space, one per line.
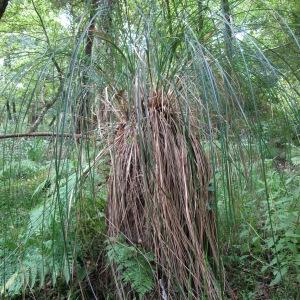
284 245
36 251
19 170
37 263
265 238
37 203
133 264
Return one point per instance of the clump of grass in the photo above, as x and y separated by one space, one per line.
159 197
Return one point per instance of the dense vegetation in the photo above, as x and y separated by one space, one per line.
150 149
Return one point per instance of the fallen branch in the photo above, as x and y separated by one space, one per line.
41 134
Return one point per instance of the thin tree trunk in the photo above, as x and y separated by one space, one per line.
228 30
228 38
14 109
83 116
9 115
32 114
200 23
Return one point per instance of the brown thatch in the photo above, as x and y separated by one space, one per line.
159 199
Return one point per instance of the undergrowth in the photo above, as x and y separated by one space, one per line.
261 250
34 250
133 264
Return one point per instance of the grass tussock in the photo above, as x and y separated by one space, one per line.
159 197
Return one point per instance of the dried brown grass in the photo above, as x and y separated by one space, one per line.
159 198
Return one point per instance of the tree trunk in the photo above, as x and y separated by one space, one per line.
82 122
200 23
228 39
8 110
228 29
3 5
84 106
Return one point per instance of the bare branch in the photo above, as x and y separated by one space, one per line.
60 77
43 112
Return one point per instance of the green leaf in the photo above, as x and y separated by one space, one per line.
279 275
